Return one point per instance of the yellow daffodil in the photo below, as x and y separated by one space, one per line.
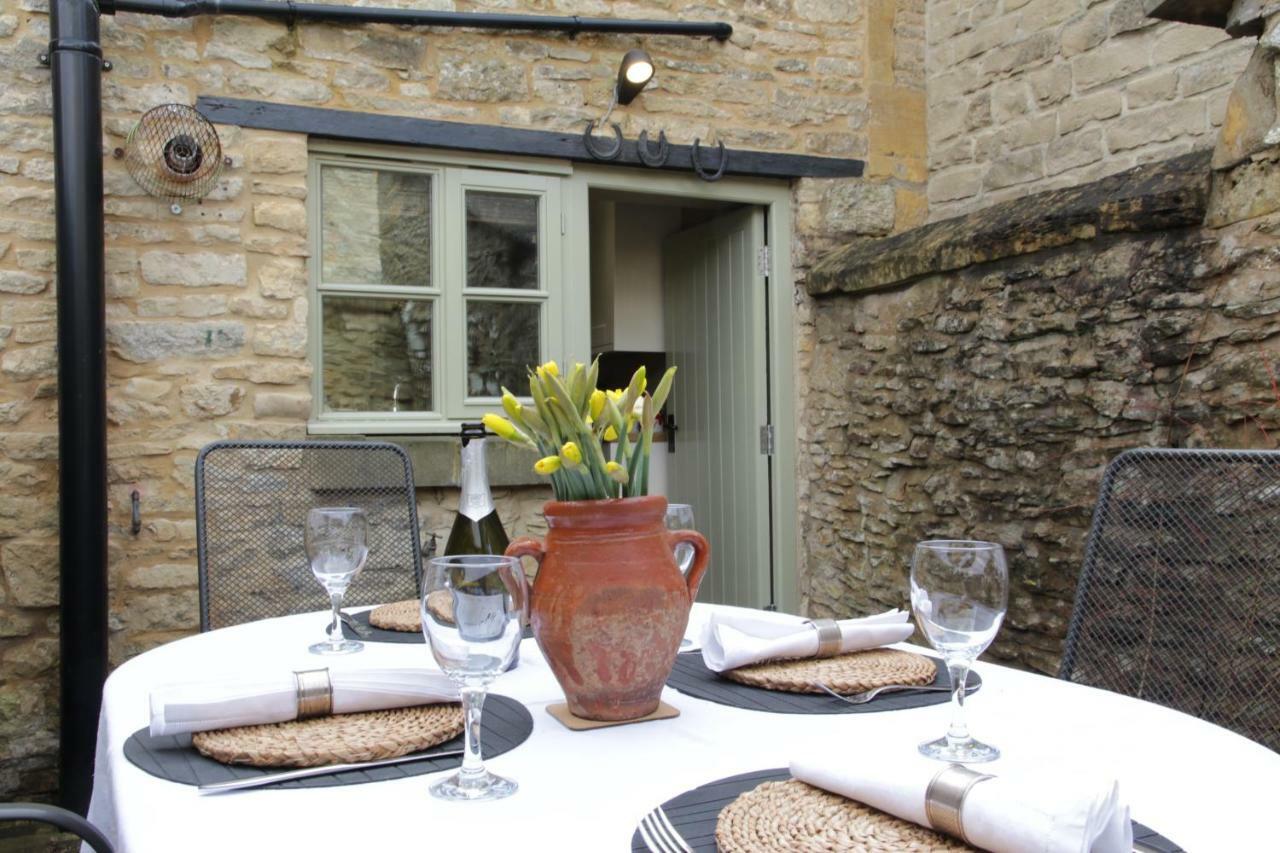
500 426
597 403
547 465
511 404
571 453
616 472
610 434
550 367
616 394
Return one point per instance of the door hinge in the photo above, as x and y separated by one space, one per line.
766 439
762 261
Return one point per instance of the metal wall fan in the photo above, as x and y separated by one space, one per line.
173 152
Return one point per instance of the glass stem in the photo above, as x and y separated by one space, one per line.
335 627
472 761
958 669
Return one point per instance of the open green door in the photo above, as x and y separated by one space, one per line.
715 293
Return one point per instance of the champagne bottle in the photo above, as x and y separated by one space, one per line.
477 529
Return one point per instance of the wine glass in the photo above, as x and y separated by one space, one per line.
680 517
959 593
336 541
473 610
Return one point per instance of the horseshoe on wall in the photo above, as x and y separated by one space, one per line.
696 156
652 157
608 152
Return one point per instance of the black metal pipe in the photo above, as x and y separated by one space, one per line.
76 61
289 11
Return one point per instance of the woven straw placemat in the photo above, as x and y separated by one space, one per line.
336 739
397 616
851 673
798 818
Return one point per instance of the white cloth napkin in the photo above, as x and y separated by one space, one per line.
180 708
1049 811
738 639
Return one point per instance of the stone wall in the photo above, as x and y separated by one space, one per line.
207 309
972 378
1026 95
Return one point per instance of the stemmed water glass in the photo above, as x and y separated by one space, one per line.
337 547
959 593
680 517
473 611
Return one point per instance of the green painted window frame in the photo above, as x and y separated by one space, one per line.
452 177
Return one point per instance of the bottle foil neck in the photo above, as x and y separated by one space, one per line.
476 501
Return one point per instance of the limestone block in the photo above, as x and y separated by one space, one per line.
1157 124
141 341
266 372
287 339
209 399
282 278
278 154
273 405
13 281
162 610
14 623
163 576
31 658
827 11
193 269
284 214
246 42
278 87
13 411
31 569
262 309
854 207
462 79
30 362
33 333
144 388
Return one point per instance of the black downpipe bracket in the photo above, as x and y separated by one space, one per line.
76 60
289 12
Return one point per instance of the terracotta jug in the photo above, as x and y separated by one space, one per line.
609 604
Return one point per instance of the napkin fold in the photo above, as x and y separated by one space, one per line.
738 639
1041 811
180 708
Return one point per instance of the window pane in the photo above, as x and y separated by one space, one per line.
502 344
377 355
502 240
376 227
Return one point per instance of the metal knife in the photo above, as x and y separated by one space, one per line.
304 772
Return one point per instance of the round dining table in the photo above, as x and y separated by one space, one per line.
1203 787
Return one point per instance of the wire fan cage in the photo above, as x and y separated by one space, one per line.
174 152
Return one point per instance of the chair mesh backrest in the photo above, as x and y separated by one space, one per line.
252 499
1179 596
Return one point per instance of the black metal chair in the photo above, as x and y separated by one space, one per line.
252 499
1179 596
64 820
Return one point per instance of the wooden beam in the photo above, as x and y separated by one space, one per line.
492 139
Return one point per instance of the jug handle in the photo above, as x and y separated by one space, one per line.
526 547
701 556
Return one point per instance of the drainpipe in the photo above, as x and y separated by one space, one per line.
289 12
75 56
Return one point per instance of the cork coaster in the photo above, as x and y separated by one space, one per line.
336 739
851 673
575 723
794 817
397 616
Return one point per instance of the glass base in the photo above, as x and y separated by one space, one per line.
483 786
959 751
346 647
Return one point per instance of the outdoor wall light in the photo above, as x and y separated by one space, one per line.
634 74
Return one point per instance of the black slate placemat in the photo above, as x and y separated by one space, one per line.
382 635
691 677
505 725
694 813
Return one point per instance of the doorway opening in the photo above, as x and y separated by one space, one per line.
685 280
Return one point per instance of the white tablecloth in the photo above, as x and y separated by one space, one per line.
1206 788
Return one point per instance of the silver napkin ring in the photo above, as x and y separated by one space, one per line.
829 638
315 693
945 796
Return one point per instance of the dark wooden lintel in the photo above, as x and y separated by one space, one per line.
492 139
